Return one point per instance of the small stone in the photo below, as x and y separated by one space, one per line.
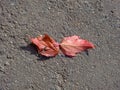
9 57
49 8
77 83
1 68
58 88
16 81
93 66
11 42
2 27
5 35
6 64
15 22
86 88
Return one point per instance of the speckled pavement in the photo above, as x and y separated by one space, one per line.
21 68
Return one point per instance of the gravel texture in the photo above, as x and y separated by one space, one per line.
21 68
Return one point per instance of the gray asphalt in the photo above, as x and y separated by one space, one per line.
21 68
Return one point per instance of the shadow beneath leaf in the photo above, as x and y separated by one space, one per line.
86 52
33 50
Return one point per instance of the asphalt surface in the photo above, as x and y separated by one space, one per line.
21 68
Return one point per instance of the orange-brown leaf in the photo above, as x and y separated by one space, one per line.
46 45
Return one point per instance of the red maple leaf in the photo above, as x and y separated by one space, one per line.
72 45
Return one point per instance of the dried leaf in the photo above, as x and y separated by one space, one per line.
46 45
72 45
